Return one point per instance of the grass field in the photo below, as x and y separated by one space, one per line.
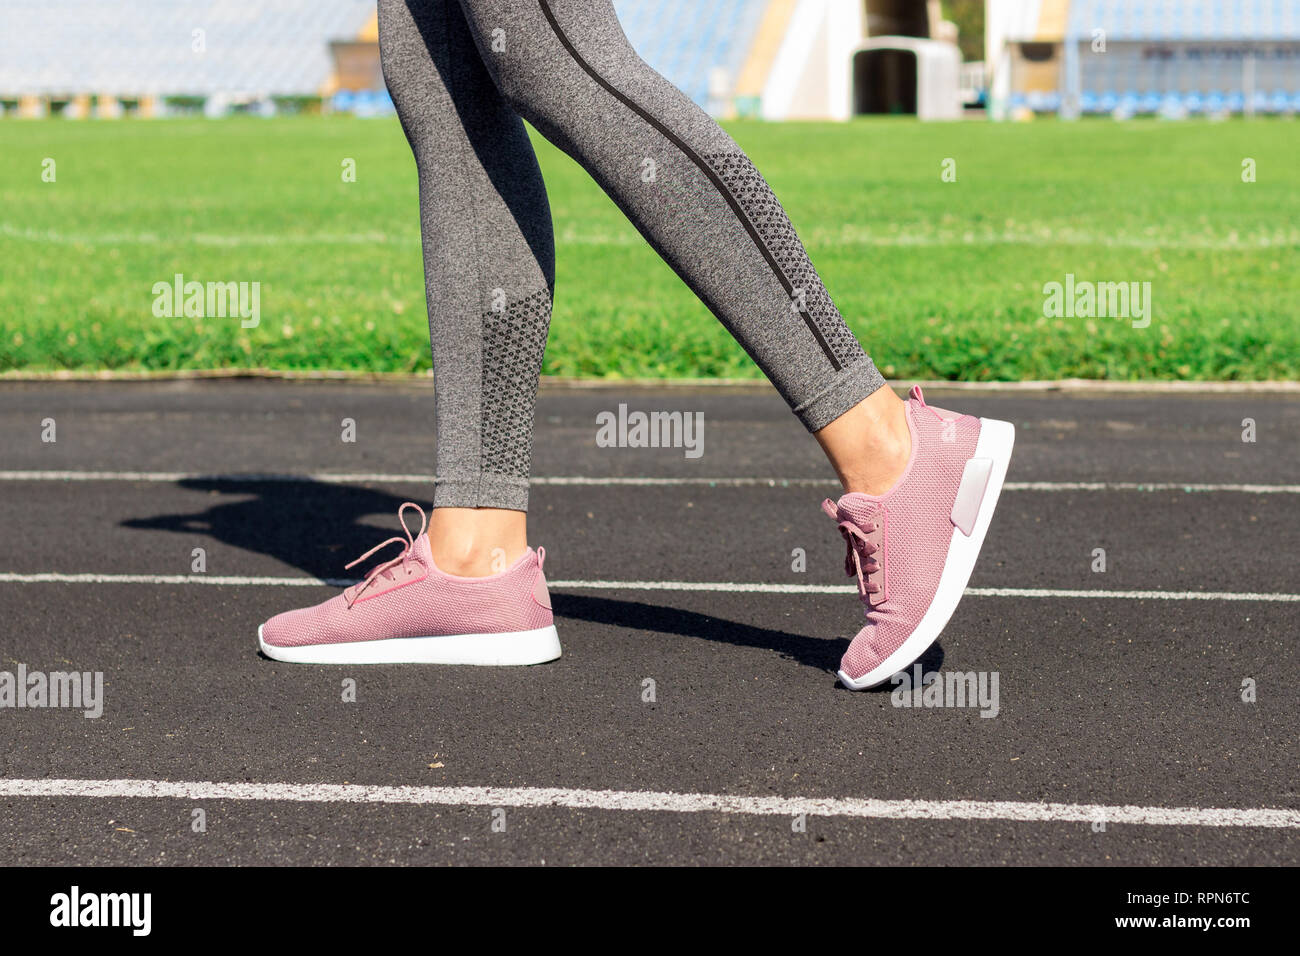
938 279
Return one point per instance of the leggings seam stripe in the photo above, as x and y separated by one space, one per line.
703 167
474 229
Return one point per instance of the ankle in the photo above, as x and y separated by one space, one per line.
870 445
884 460
476 542
474 560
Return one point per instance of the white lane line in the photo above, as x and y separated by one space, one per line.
581 480
580 585
660 801
1148 486
1134 595
970 592
217 579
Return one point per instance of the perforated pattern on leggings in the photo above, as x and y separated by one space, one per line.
764 210
513 342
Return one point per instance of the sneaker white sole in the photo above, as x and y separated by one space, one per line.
995 443
510 648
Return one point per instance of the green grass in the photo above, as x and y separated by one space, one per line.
938 280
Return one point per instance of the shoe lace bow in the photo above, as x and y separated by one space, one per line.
384 570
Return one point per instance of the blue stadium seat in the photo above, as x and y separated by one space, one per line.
1043 102
1171 105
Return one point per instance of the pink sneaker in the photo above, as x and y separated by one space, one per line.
913 549
407 611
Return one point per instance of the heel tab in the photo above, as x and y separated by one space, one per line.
540 592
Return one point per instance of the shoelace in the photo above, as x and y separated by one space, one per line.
858 547
385 569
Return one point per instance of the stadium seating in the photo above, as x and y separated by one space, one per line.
1210 84
251 49
686 40
147 47
1174 20
1169 57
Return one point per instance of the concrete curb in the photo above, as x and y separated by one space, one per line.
1095 386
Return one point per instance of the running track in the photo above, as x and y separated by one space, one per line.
1119 692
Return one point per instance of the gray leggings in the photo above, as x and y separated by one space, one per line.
462 73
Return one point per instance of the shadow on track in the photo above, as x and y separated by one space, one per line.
314 526
818 652
319 527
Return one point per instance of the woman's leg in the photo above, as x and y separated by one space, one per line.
921 483
470 591
489 273
566 67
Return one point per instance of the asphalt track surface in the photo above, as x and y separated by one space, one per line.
1113 710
